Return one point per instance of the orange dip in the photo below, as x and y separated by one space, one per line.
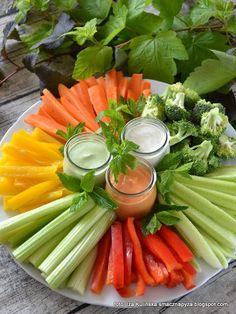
135 192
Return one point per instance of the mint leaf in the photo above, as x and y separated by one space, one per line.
150 224
169 161
70 182
90 9
154 56
81 34
167 218
91 60
198 46
115 24
79 201
168 207
165 181
88 181
102 198
212 74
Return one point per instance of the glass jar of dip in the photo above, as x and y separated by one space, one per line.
135 192
151 135
84 152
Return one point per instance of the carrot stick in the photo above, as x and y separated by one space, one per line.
145 85
48 125
82 88
135 84
146 92
91 81
98 99
101 82
111 85
131 94
43 112
123 87
119 76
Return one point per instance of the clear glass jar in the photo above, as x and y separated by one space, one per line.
135 192
151 135
84 152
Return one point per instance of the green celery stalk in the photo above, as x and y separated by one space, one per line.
204 206
188 231
213 184
218 198
216 249
222 235
71 240
195 264
50 230
56 207
80 251
225 170
231 178
39 256
80 277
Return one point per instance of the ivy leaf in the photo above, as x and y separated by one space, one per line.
115 24
154 56
79 201
212 74
64 25
205 9
198 46
81 34
90 9
88 181
102 198
70 182
167 218
91 60
168 9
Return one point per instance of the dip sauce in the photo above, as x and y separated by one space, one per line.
135 192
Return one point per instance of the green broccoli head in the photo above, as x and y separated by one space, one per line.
199 155
213 123
214 162
226 147
174 108
154 107
179 130
203 106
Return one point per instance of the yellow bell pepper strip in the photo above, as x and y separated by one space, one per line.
33 193
19 154
27 171
7 187
42 136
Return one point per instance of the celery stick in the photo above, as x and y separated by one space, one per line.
71 240
38 256
80 251
216 247
195 264
218 198
231 178
213 184
225 170
80 277
189 231
56 207
204 206
50 230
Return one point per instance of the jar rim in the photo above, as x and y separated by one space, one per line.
83 135
153 122
147 189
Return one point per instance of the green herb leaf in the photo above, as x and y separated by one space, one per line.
167 218
88 181
144 23
150 224
70 182
166 179
102 198
65 5
81 34
169 161
79 201
71 131
168 9
154 56
230 25
91 60
212 74
23 7
168 207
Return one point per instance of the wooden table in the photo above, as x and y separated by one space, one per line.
19 293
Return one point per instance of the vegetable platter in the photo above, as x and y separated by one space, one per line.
91 209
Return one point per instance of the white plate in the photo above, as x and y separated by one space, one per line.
109 297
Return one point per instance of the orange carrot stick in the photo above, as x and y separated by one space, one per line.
101 82
123 87
146 92
111 84
135 85
98 98
131 94
91 81
43 112
145 85
82 87
119 76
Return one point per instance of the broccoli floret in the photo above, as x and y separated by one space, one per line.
213 123
179 130
214 162
191 97
174 108
203 106
154 107
226 147
199 155
179 146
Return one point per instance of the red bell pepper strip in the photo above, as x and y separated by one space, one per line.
186 266
109 279
100 270
138 254
175 278
153 268
159 249
128 255
117 255
188 280
140 287
126 292
165 273
176 243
